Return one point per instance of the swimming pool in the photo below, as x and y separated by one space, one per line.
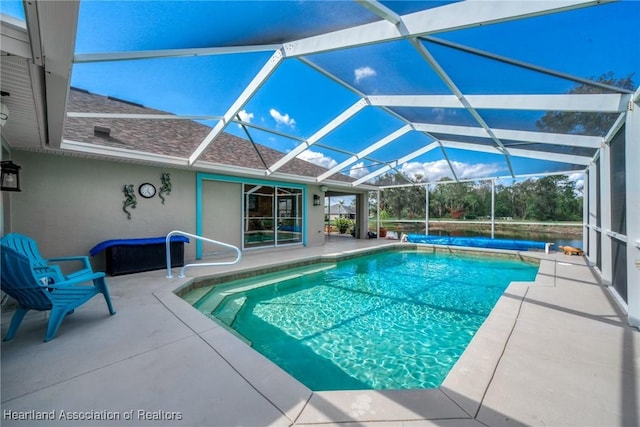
395 320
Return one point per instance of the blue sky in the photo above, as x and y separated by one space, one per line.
12 8
298 100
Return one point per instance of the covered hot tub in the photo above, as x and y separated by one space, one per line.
126 256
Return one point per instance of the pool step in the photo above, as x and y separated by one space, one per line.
194 295
229 308
210 300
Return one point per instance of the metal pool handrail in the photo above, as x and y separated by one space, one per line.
204 264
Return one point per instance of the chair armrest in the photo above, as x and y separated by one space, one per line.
86 265
83 258
74 281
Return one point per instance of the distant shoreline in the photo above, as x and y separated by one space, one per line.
503 228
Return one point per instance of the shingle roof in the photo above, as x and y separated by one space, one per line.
177 137
339 209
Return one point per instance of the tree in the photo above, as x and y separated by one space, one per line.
401 202
546 198
552 198
585 123
503 206
522 199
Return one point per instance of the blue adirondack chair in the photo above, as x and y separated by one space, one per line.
27 246
39 288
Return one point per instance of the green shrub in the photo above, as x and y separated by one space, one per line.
343 224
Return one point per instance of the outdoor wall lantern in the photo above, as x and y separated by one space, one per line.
316 200
10 176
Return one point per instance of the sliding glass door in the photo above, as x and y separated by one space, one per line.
289 215
272 215
259 224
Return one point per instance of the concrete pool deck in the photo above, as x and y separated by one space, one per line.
553 352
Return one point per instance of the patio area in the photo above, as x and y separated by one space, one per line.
554 352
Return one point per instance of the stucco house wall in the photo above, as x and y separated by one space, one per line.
70 204
222 211
315 218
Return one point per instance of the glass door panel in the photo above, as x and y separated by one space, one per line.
259 224
289 214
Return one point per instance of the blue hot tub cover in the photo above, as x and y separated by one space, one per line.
135 242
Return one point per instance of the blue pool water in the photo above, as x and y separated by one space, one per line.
396 320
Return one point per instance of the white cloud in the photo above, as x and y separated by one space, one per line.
433 171
578 179
317 159
358 170
245 117
363 73
282 119
441 115
466 170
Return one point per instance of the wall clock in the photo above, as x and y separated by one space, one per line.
147 190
